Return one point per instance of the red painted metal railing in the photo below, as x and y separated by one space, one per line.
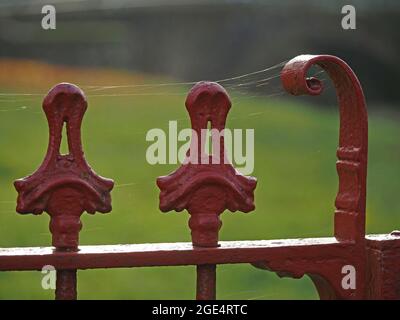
65 186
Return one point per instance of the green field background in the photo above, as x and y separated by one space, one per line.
295 146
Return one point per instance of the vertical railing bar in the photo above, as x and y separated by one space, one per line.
66 285
206 282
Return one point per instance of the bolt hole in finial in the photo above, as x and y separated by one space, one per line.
64 147
208 148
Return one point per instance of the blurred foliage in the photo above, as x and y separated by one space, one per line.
295 147
208 39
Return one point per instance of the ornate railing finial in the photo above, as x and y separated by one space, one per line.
64 186
205 184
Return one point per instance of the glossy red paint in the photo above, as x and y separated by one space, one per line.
64 186
172 254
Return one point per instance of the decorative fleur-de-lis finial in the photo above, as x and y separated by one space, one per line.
205 184
64 186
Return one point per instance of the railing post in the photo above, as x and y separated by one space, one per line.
352 154
206 185
64 186
383 267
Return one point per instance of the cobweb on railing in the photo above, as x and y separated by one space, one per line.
262 84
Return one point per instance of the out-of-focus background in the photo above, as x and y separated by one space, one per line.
111 48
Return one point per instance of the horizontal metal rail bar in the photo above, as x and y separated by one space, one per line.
171 254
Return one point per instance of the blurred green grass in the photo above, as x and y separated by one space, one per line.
295 146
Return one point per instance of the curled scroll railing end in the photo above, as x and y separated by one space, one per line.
294 76
353 139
